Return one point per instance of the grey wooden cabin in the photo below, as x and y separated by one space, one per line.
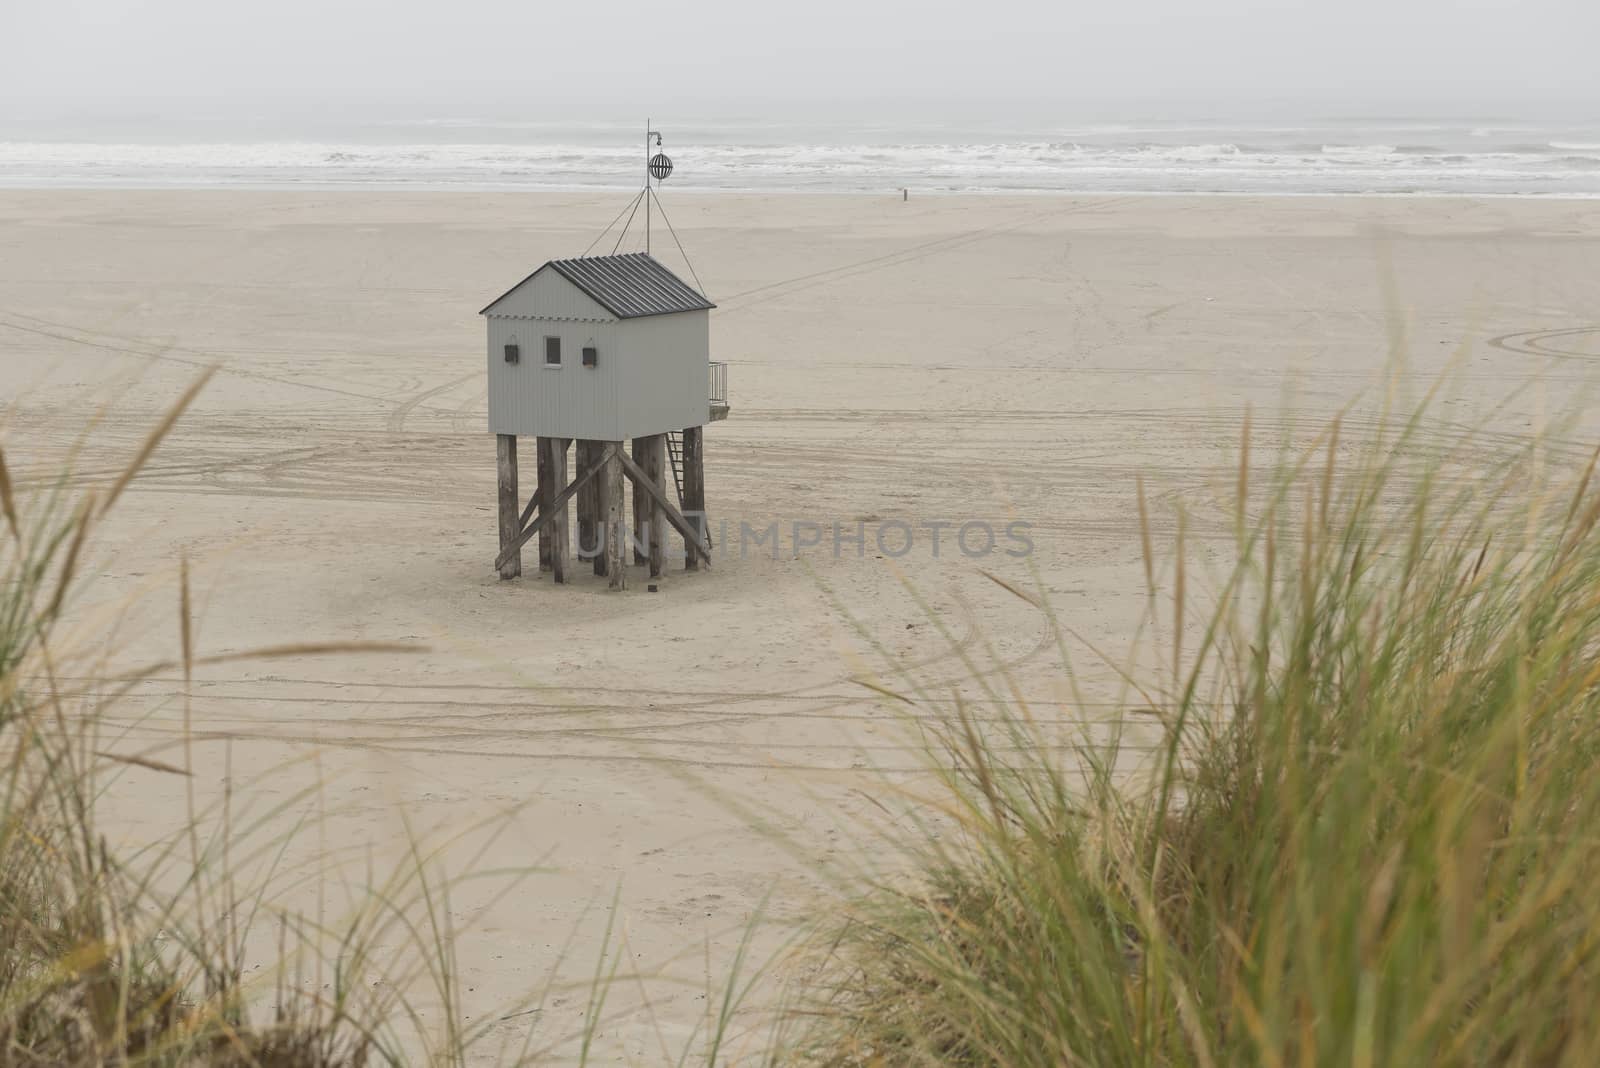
599 351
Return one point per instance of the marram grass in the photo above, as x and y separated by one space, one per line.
108 959
111 961
140 960
1372 837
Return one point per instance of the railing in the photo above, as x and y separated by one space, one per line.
719 383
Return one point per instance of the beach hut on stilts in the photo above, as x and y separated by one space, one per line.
604 363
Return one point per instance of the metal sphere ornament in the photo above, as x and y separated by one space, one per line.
660 166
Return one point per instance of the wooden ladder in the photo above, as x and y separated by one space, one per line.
675 459
675 455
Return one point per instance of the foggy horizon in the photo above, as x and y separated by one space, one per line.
716 60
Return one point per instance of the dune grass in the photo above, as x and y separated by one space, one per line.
108 959
155 957
1370 837
1367 838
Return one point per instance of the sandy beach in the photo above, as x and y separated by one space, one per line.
705 753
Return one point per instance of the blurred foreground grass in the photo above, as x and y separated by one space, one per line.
155 957
1370 838
110 960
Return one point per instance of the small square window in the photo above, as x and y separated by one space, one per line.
513 353
591 356
552 351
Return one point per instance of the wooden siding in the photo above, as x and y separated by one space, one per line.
651 376
547 295
666 358
569 401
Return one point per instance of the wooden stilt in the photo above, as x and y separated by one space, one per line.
597 506
543 520
669 510
616 521
548 488
641 506
655 468
505 450
694 490
559 528
588 509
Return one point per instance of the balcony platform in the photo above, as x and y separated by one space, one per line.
719 392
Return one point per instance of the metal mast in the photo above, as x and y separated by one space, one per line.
658 167
647 186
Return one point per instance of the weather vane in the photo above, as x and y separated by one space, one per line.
657 166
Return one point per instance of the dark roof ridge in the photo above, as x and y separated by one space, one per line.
632 285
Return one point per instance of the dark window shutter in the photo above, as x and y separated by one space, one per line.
591 356
513 353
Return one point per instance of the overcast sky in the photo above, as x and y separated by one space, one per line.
583 59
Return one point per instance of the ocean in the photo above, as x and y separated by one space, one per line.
1397 157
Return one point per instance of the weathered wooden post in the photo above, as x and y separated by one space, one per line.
590 546
546 491
694 490
655 525
505 448
640 447
560 553
616 521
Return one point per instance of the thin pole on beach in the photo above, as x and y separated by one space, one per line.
647 186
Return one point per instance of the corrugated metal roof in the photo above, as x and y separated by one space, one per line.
630 286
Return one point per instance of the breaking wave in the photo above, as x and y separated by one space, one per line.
1121 158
